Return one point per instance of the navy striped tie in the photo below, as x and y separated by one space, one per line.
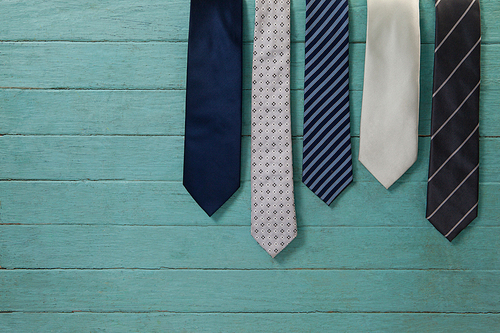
327 162
452 190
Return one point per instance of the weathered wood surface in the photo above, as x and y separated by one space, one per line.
161 112
94 217
362 204
328 248
160 158
157 20
121 65
249 322
194 290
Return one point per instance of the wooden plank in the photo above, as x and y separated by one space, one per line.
178 247
187 290
161 112
90 112
158 65
161 158
168 203
158 20
94 65
249 322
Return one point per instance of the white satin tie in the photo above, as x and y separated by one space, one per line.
389 113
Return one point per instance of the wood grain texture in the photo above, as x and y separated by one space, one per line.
157 20
70 65
187 290
161 158
179 247
362 204
161 112
94 217
249 322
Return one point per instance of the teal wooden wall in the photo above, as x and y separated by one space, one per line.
97 233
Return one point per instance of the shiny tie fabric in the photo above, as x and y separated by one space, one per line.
213 102
327 159
452 190
389 113
273 210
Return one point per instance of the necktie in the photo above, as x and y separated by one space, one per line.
327 160
452 191
273 208
389 113
213 102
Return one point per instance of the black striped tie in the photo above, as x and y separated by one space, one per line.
452 191
327 165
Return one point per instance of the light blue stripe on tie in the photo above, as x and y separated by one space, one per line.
325 34
327 158
311 83
313 162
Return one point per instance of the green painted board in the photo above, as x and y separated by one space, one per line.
362 204
194 290
78 65
160 158
249 322
157 20
161 112
179 247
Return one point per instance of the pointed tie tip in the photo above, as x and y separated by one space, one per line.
274 248
386 180
206 202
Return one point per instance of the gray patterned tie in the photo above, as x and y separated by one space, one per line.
273 210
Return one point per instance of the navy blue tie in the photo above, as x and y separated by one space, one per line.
213 102
327 160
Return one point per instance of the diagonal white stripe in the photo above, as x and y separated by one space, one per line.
445 200
463 218
456 68
458 108
437 3
456 151
453 28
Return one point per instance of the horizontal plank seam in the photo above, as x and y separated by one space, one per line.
171 135
254 312
99 89
305 227
173 41
6 180
159 41
124 89
27 180
173 89
224 269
